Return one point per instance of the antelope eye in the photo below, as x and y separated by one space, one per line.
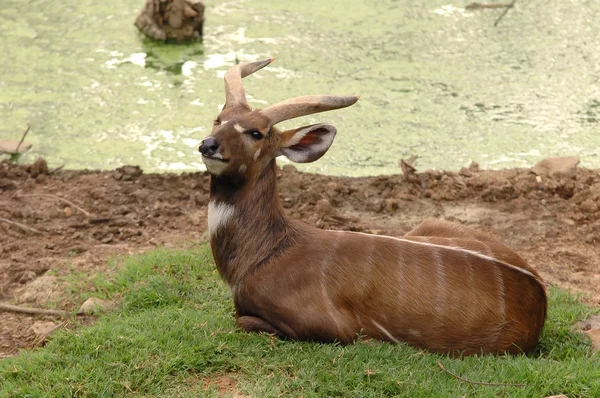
257 135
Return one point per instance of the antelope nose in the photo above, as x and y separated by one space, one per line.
209 146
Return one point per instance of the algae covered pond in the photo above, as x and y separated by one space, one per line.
436 81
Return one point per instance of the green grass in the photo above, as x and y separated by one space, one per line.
174 329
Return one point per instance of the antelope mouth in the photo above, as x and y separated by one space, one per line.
217 158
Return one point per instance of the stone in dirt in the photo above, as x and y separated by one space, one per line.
557 166
172 19
93 305
41 328
42 290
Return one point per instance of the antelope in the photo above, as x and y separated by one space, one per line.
443 287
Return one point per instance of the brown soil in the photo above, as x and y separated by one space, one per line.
552 221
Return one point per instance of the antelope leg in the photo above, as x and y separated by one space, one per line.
257 325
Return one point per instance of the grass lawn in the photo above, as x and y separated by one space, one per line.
173 334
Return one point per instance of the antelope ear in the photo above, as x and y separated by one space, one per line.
307 144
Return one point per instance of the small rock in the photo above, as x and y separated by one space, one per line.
567 221
391 205
323 207
128 173
588 206
172 19
40 291
474 167
465 172
38 167
41 328
93 305
68 212
557 396
560 166
6 184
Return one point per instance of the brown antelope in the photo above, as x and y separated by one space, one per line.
442 286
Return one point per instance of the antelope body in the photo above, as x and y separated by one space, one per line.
442 286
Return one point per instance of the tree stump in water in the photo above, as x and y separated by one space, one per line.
172 19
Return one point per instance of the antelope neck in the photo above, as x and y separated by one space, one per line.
255 229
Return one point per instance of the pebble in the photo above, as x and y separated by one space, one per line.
323 207
41 328
93 305
560 166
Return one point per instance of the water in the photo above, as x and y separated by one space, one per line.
435 81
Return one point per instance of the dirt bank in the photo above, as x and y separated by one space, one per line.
552 221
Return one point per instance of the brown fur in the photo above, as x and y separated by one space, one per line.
305 283
444 287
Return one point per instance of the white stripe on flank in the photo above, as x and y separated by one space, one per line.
457 249
441 281
330 308
218 216
501 293
388 334
470 272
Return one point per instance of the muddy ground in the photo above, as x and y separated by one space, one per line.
553 221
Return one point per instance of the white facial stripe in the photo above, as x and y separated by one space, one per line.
219 215
215 167
242 168
458 249
239 128
257 154
384 330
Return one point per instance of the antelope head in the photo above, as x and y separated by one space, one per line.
244 141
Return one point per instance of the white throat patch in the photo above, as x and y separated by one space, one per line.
219 215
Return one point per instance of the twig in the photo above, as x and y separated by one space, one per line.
23 137
54 170
22 226
27 310
511 5
481 383
47 195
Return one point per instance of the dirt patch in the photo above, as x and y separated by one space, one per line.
226 386
553 221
